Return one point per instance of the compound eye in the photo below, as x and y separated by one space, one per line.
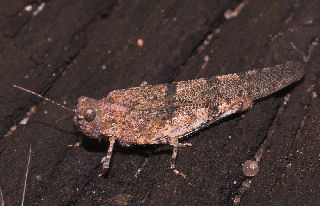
89 115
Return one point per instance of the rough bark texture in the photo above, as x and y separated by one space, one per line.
73 48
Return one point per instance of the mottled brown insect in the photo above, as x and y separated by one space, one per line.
163 113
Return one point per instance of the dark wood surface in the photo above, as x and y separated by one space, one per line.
76 48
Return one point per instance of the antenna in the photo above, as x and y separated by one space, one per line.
42 97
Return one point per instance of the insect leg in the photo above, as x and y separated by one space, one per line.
185 144
106 160
174 157
76 145
144 83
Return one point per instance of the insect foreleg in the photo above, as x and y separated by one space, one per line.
106 160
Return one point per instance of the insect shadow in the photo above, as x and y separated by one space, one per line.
93 145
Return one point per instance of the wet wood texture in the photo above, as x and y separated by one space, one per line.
67 49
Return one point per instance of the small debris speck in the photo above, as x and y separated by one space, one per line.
103 67
39 178
32 110
309 22
24 120
28 8
236 200
217 30
228 14
314 95
140 42
246 184
39 9
13 128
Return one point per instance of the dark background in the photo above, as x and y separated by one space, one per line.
74 48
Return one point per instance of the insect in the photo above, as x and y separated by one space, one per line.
164 113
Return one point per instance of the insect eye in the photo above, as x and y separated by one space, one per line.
89 115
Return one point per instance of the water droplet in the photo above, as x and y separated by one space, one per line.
250 168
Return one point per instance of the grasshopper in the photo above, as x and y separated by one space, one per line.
165 113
